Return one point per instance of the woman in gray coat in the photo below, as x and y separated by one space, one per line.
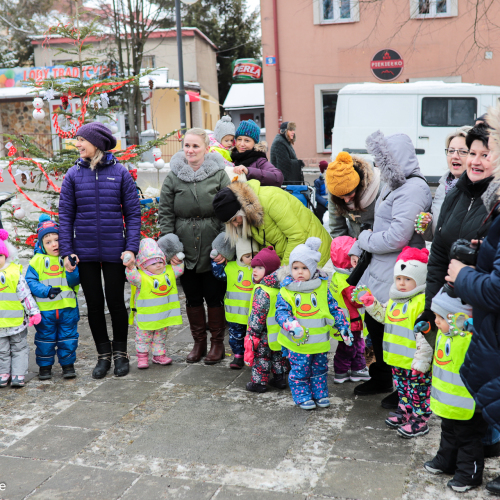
186 210
404 194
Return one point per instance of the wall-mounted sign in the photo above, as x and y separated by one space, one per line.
387 65
247 70
270 61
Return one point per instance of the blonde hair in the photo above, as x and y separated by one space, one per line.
233 234
97 158
199 132
459 132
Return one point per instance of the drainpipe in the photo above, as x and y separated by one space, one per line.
277 50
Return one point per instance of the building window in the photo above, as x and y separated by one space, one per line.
448 111
421 9
148 62
339 11
329 108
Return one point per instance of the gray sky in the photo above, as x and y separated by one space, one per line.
253 4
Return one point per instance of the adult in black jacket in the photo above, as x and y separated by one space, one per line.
283 155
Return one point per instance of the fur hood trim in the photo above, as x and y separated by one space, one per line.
491 196
249 202
181 169
493 119
261 146
366 168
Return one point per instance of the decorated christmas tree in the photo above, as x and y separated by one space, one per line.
82 101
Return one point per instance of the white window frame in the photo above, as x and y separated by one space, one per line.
319 17
451 10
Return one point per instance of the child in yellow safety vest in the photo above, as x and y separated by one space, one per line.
262 327
55 291
349 362
240 285
154 302
461 451
306 313
409 356
16 304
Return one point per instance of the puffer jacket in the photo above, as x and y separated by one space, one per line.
404 195
480 288
186 206
283 157
93 207
277 218
461 216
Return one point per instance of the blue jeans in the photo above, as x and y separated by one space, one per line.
237 334
307 378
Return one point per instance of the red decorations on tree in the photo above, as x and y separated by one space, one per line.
12 151
127 154
64 102
149 224
31 240
133 173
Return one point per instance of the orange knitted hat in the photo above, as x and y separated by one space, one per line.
340 176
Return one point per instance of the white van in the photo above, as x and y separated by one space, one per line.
426 111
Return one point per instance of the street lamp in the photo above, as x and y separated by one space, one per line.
182 92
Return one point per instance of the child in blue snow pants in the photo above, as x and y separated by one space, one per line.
308 378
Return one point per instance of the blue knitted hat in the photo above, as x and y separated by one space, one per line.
248 128
45 226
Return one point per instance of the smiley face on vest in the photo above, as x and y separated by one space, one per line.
244 285
306 304
442 355
397 312
52 269
161 290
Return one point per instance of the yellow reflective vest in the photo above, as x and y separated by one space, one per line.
313 314
449 396
337 286
399 339
157 304
51 272
272 325
240 286
11 308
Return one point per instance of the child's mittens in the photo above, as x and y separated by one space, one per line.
72 260
347 336
422 359
213 253
35 319
54 292
294 328
180 255
422 327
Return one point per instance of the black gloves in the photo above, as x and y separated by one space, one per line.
72 260
54 292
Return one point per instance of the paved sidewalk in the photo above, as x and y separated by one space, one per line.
193 432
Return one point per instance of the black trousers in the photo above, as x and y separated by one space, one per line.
461 449
202 286
320 211
114 287
380 371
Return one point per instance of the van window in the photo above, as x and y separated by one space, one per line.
448 111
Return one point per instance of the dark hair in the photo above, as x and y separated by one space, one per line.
340 204
479 132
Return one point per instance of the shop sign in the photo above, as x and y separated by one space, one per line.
387 65
247 70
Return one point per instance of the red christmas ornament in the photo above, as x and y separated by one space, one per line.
30 240
12 151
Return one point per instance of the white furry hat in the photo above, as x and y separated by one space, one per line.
224 127
245 246
308 254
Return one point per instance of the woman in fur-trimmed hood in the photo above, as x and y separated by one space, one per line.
271 216
186 210
354 186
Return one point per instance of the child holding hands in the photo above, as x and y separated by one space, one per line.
154 303
16 302
306 313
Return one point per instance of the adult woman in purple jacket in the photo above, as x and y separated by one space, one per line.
97 196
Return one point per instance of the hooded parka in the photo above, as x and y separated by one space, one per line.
284 158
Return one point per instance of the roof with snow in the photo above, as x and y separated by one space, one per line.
245 95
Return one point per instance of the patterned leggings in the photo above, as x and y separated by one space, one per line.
265 361
307 378
414 391
154 338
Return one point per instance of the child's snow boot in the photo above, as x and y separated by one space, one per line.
17 381
279 381
398 418
4 379
68 371
237 363
142 360
308 405
416 426
256 387
323 403
45 372
162 360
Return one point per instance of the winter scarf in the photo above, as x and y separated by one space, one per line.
450 182
247 157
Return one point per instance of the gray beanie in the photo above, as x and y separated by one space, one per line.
224 127
308 254
443 305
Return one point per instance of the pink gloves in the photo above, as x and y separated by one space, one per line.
294 328
35 319
368 299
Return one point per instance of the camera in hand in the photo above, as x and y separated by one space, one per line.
466 252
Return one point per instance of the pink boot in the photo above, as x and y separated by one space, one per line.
162 360
142 360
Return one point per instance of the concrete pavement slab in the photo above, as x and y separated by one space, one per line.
92 415
167 488
21 476
50 442
232 492
85 483
220 432
121 391
362 480
213 377
155 373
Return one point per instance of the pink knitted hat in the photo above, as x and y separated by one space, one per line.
3 247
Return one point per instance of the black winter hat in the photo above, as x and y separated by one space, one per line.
226 205
98 135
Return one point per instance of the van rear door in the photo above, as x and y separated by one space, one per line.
440 115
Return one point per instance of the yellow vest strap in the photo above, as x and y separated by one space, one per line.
243 311
12 314
65 294
8 296
157 301
238 295
447 376
400 331
159 316
452 400
398 349
55 282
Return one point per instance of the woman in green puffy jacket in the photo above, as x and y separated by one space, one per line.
270 216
